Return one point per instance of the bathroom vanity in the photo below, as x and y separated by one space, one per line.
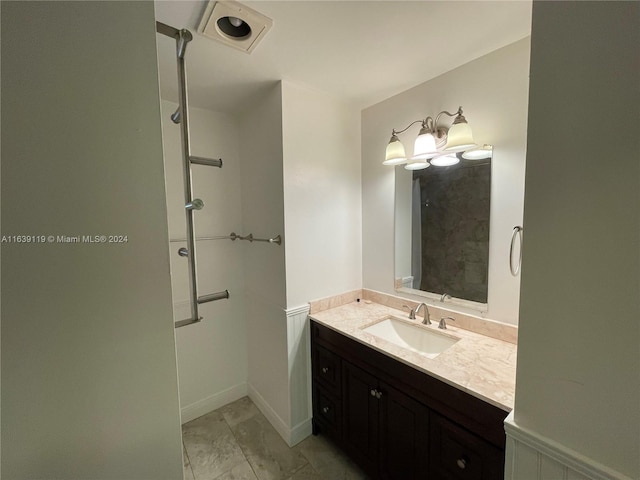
403 415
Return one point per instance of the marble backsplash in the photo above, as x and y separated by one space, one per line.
490 328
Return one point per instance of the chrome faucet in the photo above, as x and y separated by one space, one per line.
444 296
414 311
427 315
443 322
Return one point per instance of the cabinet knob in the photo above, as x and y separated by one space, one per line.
325 369
373 392
325 409
378 394
462 463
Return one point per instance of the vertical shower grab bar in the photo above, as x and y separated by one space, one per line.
181 116
184 36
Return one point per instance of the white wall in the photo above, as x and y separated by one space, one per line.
493 91
322 195
264 263
323 221
89 384
578 355
300 160
274 167
212 354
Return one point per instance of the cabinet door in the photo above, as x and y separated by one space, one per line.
403 436
326 369
360 410
457 454
327 416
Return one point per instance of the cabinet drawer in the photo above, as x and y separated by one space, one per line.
457 454
327 412
327 370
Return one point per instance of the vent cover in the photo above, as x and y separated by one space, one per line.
234 24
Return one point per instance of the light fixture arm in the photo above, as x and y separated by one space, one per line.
431 142
458 113
396 132
429 123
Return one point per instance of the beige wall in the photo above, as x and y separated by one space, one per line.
578 354
89 384
493 91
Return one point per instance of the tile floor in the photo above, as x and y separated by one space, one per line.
236 442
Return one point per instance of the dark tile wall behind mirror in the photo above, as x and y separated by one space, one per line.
453 224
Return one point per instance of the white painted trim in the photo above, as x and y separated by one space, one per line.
297 310
274 419
558 452
300 388
291 436
215 401
300 432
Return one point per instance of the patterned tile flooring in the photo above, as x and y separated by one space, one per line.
236 442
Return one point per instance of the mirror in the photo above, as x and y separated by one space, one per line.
442 232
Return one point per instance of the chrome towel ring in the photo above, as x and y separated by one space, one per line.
517 232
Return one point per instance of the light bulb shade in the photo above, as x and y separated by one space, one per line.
425 146
445 160
480 153
395 152
459 138
417 165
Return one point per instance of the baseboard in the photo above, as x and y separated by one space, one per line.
274 419
534 455
300 432
215 401
290 436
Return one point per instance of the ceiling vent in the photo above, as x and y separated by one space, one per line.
234 24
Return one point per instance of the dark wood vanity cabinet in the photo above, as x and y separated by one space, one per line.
456 453
397 422
384 430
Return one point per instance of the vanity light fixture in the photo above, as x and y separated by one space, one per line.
459 137
432 141
417 165
445 160
395 152
478 153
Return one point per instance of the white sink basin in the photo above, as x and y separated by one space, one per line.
410 336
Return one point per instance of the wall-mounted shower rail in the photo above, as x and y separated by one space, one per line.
210 162
234 236
181 116
277 239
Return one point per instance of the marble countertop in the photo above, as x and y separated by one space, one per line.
481 366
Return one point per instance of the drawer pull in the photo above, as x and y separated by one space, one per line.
325 369
462 463
376 393
325 409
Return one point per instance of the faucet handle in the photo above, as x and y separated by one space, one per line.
443 322
412 312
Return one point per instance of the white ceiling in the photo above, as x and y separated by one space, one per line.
360 51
